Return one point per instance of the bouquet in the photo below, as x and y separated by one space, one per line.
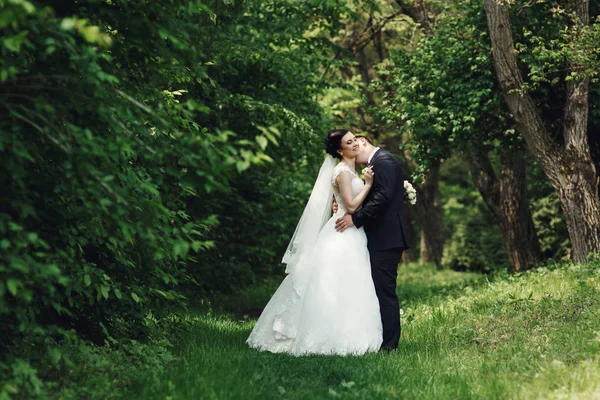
410 194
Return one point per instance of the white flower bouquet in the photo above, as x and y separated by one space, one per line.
410 194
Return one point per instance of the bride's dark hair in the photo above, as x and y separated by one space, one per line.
333 142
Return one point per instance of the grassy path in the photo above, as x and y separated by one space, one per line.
535 336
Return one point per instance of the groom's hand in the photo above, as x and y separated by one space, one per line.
344 223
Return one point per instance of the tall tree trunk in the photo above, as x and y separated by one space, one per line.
519 231
570 168
363 68
381 50
418 12
507 198
424 253
430 214
409 255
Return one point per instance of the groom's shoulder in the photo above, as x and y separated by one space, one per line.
386 156
385 153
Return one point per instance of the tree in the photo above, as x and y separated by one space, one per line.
506 196
376 27
442 94
566 159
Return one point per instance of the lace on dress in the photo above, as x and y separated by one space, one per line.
357 184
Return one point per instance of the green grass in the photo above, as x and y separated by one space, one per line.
533 336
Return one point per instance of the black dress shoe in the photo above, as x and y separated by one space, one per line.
387 350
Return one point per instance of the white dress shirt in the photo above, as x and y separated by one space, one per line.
372 154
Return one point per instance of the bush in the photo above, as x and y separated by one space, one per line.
124 128
473 238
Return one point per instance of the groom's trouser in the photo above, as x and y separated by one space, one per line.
384 270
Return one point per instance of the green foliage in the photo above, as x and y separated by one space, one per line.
268 62
441 97
547 40
441 94
551 227
124 129
547 216
547 45
474 241
94 228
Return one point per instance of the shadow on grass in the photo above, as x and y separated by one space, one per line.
416 283
425 283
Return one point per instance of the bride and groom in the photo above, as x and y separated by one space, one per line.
339 296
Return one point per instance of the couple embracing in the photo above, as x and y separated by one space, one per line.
339 296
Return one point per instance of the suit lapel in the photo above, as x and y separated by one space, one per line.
375 156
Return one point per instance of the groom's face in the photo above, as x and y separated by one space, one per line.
363 153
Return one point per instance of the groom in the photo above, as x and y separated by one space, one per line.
382 215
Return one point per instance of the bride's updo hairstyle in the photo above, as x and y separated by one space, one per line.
333 142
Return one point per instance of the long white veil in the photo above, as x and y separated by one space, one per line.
315 215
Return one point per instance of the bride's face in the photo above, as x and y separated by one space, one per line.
350 147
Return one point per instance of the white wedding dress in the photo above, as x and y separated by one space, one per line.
328 304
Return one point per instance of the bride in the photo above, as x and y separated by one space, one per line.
327 303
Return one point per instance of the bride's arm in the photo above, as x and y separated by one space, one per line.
344 181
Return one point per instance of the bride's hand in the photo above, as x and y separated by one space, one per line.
369 176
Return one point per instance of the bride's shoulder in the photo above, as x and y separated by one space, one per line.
341 167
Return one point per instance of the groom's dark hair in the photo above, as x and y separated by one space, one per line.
368 139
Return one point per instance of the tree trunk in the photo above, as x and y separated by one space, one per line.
424 254
430 215
569 169
507 199
409 255
363 68
518 229
418 12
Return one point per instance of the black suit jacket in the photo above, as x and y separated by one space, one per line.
382 212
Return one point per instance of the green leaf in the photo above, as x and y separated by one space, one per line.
27 5
87 280
262 141
135 297
55 355
68 23
13 286
14 43
180 248
242 165
105 291
53 269
150 188
7 16
11 389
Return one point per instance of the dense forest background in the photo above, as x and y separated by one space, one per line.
157 154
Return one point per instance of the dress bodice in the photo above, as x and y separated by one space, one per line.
357 184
